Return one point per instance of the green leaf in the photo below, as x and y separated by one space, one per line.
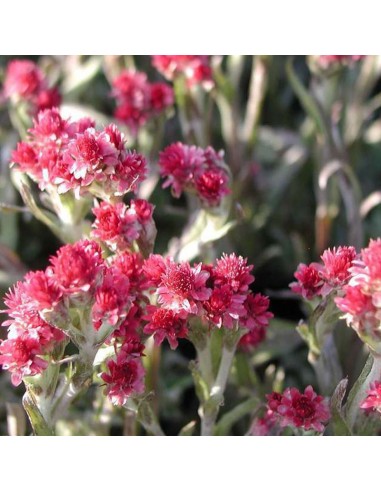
306 99
188 429
230 418
339 424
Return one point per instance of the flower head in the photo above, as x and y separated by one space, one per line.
124 376
304 410
165 324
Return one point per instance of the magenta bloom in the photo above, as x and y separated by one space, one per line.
182 287
224 307
199 171
138 100
234 271
77 267
112 299
116 225
21 356
309 280
124 376
360 299
195 68
256 320
304 410
337 263
25 81
373 401
165 324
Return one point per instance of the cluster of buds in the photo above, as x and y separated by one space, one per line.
202 172
25 82
195 68
67 155
139 100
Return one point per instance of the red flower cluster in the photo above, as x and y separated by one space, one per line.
199 171
44 307
361 297
124 376
195 68
118 226
304 410
138 100
74 156
25 81
218 294
320 279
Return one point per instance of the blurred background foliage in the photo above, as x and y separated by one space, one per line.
283 122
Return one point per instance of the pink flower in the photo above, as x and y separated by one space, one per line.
48 98
211 186
304 410
337 263
373 401
310 282
21 356
256 320
360 299
42 289
23 78
27 159
233 270
89 156
181 287
224 307
137 99
129 172
49 127
161 97
112 299
165 323
200 171
257 314
124 377
179 163
154 268
195 68
131 265
265 426
115 225
77 267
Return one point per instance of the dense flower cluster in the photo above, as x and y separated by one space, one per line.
196 170
77 296
361 299
25 81
138 100
307 410
75 156
118 226
195 68
218 294
317 279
